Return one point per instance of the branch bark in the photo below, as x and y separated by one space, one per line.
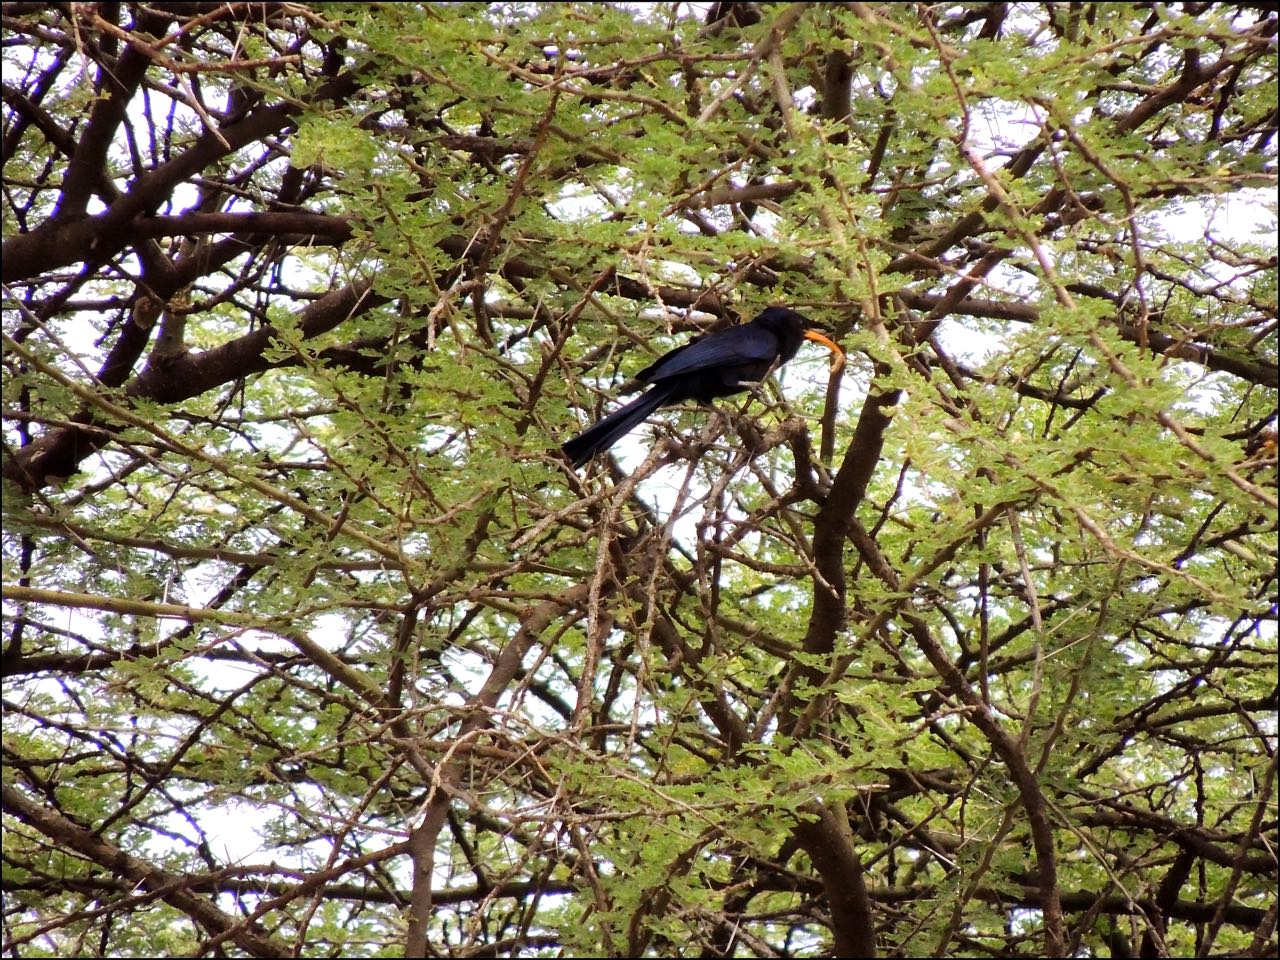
173 889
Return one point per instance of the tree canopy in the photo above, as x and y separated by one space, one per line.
315 644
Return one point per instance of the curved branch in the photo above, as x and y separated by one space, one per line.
173 889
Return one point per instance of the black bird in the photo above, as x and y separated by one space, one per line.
713 365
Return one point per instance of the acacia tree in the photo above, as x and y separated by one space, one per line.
314 642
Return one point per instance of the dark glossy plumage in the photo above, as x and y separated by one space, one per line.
713 365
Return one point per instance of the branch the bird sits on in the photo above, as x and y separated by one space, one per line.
713 365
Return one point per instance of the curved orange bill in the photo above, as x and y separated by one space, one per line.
837 359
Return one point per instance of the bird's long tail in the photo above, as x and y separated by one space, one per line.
606 432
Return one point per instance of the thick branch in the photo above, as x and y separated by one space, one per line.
173 889
180 377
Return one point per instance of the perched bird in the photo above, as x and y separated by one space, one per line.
713 365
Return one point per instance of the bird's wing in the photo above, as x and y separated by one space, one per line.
741 344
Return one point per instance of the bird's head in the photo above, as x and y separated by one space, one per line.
791 326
